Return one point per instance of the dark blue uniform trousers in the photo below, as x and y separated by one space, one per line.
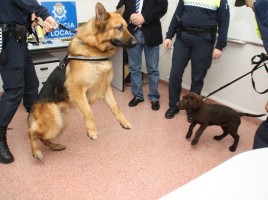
19 80
198 49
261 136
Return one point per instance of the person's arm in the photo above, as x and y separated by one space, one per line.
261 12
32 6
157 12
174 21
223 18
127 12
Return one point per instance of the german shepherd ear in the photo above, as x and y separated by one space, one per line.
120 10
101 16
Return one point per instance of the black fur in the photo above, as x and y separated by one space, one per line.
54 90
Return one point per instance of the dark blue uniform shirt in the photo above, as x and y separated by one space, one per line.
195 16
17 11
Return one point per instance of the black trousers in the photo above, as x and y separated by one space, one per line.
20 81
261 136
198 49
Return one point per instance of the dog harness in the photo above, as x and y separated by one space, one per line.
65 61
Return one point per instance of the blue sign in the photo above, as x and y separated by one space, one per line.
63 12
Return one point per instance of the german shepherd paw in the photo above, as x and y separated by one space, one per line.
38 155
58 147
92 136
126 125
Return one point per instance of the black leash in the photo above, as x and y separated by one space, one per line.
61 26
65 28
262 59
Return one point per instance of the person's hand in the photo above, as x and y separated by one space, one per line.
36 21
137 19
216 54
167 43
49 25
266 107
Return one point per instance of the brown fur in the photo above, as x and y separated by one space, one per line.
86 81
212 114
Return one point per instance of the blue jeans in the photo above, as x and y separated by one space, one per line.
135 60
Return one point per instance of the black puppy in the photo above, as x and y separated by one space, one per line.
212 114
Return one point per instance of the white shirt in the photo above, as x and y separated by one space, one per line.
141 4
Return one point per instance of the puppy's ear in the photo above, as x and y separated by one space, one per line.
121 10
200 99
101 16
196 100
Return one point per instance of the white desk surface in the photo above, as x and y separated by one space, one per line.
243 177
55 45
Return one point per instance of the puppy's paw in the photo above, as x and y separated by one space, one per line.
92 136
194 142
38 155
217 137
188 136
232 148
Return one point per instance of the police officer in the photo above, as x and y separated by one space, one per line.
260 8
196 23
16 67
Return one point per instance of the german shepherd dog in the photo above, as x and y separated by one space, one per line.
80 83
207 114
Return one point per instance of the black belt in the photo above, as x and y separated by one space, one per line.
197 31
7 27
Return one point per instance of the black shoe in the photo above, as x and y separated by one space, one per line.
171 112
155 105
5 155
135 101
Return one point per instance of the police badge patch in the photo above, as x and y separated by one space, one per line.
59 12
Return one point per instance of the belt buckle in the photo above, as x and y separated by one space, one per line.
195 30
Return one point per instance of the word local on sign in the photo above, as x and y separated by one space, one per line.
64 33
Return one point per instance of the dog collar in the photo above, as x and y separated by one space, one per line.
65 61
87 58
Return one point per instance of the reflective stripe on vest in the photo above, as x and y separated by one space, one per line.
208 4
